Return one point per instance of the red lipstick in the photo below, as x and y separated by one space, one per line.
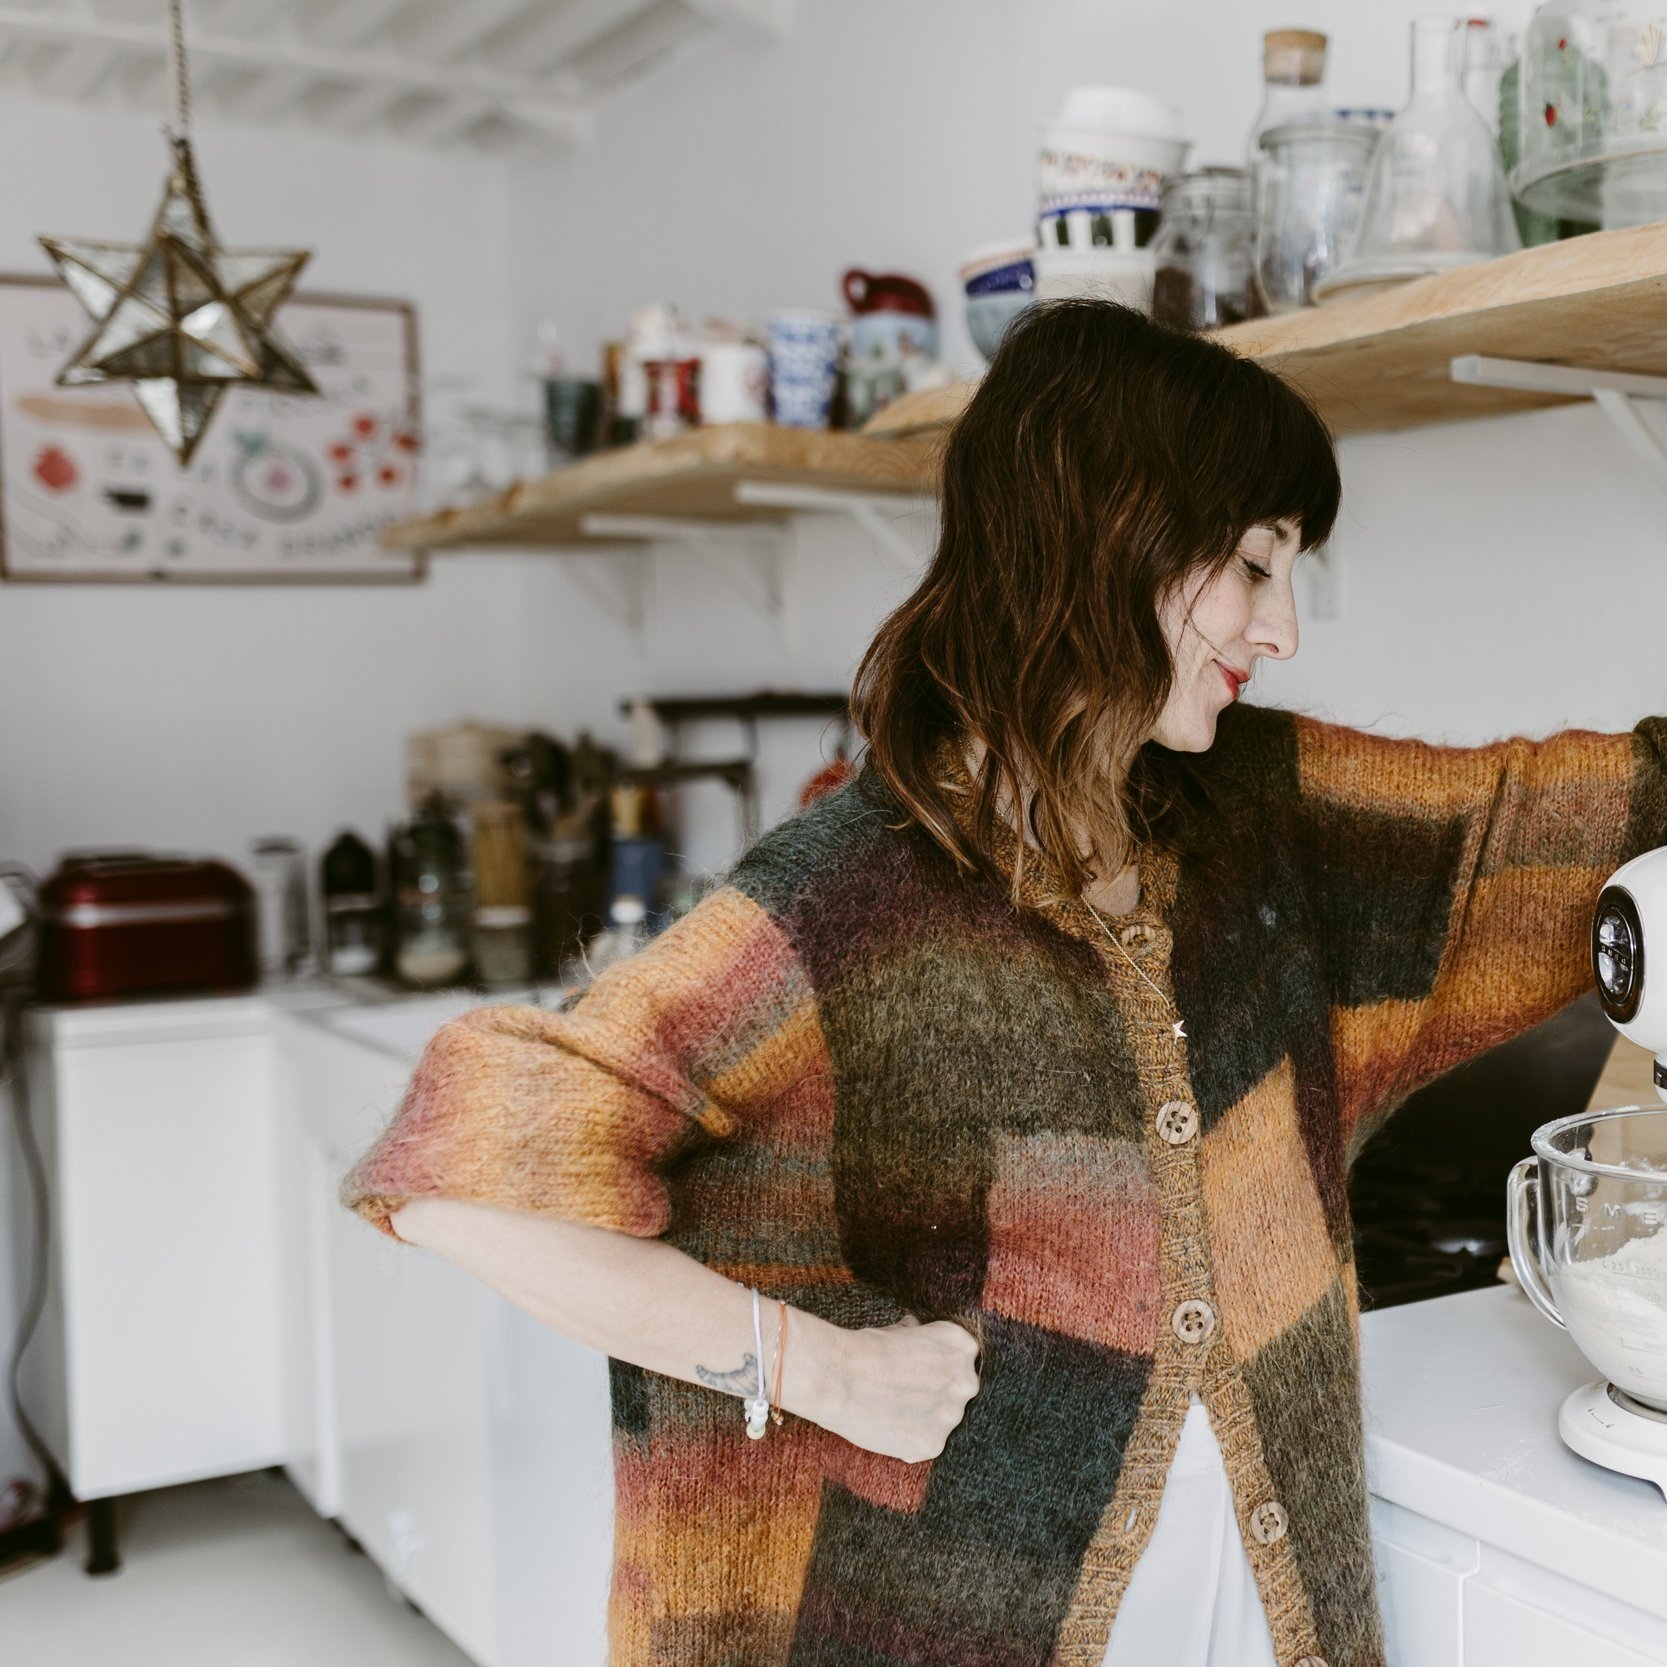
1236 680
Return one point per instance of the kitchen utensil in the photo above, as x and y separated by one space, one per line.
1436 196
1309 193
125 923
804 364
1202 252
1587 1222
1593 143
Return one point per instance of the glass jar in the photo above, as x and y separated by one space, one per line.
503 944
280 907
352 907
1309 195
1587 1220
429 880
1203 250
1593 113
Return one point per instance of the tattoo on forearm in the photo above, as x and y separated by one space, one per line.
742 1381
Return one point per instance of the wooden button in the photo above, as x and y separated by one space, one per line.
1136 936
1193 1321
1312 1661
1178 1121
1268 1523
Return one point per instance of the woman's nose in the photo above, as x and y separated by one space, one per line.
1274 630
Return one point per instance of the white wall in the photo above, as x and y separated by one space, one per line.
1485 567
1482 565
200 718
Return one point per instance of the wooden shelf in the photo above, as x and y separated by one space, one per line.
690 477
1380 361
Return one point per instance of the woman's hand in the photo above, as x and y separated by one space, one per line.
897 1390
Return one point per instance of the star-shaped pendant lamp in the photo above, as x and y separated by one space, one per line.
179 317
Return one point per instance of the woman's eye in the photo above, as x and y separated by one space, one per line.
1256 568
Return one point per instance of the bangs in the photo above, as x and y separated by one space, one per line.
1270 459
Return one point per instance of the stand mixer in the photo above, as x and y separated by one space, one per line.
1587 1214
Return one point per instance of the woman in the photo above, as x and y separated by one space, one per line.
1022 1077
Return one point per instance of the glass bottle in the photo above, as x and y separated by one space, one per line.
1313 182
1293 84
353 914
429 881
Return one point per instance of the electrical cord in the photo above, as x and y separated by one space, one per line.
14 1085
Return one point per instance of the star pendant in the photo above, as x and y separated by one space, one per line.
179 317
1179 1028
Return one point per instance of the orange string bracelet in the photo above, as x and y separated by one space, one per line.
781 1353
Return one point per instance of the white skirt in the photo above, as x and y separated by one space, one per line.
1192 1600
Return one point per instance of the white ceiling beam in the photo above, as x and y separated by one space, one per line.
360 108
545 41
456 31
766 17
335 23
273 94
74 70
234 17
144 48
442 121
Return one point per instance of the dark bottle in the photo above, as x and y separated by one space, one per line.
353 909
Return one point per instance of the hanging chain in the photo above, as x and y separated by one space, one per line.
181 75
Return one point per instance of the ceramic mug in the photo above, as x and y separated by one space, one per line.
804 366
734 383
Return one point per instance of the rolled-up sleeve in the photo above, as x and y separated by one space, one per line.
580 1115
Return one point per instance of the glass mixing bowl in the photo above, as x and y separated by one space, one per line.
1585 1222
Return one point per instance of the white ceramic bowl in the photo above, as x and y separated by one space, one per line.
1120 110
1082 168
1101 274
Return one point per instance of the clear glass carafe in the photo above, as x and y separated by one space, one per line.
1436 197
1586 1221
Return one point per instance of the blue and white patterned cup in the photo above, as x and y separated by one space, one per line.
804 367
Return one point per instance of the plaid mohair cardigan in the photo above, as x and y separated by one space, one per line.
872 1087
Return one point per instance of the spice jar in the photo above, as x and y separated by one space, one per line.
1203 250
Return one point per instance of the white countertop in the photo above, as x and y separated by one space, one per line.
1462 1395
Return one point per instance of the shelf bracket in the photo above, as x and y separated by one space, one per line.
875 512
1613 392
617 584
749 559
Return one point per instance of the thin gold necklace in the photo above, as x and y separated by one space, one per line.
1179 1024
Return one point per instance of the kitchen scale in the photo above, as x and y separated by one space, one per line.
1607 1426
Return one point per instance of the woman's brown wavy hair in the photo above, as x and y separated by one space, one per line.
1102 460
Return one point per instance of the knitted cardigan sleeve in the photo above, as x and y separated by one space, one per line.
579 1115
1453 888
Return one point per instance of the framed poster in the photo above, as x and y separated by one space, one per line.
281 490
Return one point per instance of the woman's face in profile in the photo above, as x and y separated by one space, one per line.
1219 626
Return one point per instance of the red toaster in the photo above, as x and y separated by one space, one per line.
123 923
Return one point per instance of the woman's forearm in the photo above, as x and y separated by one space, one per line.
639 1300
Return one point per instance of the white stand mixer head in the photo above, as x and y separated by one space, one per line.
1629 931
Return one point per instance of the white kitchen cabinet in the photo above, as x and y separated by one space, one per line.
157 1357
1497 1546
401 1348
